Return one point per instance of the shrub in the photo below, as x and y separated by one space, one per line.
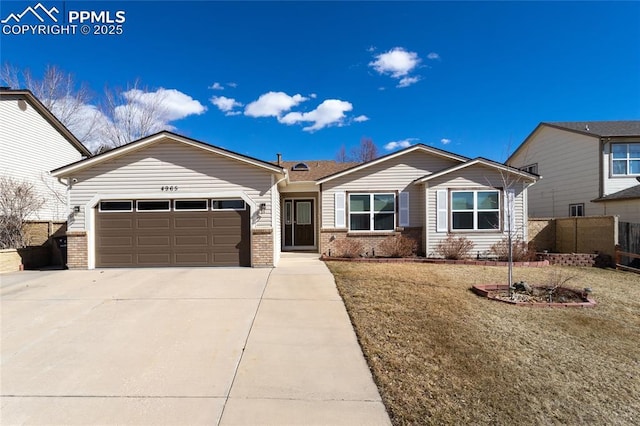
521 251
347 247
455 247
398 246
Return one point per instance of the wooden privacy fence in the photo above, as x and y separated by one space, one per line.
588 234
628 250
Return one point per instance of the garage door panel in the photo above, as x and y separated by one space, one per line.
192 258
191 223
125 224
116 259
191 240
229 240
153 223
226 221
227 230
116 241
154 241
206 238
153 259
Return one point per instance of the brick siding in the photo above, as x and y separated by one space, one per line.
77 250
262 247
371 240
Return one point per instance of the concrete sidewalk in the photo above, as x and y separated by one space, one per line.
302 363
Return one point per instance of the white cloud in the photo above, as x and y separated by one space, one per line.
433 56
361 118
232 84
329 112
371 49
381 88
407 81
174 104
399 144
313 96
445 141
272 104
226 105
216 86
397 62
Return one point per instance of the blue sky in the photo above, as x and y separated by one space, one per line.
474 78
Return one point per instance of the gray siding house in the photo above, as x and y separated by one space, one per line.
589 168
168 200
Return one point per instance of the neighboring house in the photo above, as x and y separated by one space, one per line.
589 168
33 142
168 200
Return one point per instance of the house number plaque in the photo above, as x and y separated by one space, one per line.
169 188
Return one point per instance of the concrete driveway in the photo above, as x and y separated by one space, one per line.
182 346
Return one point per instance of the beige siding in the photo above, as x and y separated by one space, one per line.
477 178
168 162
626 210
396 174
30 147
615 183
569 164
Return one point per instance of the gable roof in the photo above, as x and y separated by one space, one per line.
159 137
412 148
625 194
318 169
596 129
483 162
28 96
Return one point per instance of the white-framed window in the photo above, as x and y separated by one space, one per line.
372 212
115 206
531 168
576 210
475 210
625 159
190 205
153 205
231 204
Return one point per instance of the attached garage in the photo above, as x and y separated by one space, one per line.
139 233
170 201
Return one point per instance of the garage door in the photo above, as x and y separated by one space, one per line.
138 233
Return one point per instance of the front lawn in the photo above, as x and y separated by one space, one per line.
440 354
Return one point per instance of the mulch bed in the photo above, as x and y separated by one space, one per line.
534 264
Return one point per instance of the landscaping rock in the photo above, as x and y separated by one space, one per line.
523 287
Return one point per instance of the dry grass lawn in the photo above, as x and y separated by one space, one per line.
442 355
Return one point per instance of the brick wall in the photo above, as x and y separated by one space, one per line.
77 250
262 247
328 237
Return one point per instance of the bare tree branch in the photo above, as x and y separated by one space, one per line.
18 201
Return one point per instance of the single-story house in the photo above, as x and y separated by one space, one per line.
168 200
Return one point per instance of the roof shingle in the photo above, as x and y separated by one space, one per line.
601 128
625 194
317 169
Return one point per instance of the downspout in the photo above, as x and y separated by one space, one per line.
276 244
68 185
